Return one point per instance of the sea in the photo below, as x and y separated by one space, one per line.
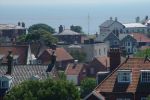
88 17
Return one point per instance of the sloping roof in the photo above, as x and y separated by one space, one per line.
20 51
110 84
21 73
132 25
147 22
10 26
104 60
140 37
68 32
122 36
61 54
107 23
73 69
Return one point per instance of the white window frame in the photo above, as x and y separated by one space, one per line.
5 84
147 80
124 74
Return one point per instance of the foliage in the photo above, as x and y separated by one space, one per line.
78 55
87 86
44 90
38 35
41 26
142 53
76 29
62 75
148 97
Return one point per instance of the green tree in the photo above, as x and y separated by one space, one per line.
142 53
41 26
78 55
44 90
38 35
87 86
76 29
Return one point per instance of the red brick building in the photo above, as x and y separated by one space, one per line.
129 81
76 72
98 64
62 58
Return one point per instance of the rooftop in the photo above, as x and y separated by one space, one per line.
135 65
132 25
21 73
10 26
68 32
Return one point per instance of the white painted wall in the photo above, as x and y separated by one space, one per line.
73 78
95 50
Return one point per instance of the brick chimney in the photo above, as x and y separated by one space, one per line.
9 62
115 58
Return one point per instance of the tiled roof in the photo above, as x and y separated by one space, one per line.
132 25
61 54
74 69
140 37
110 84
10 26
25 72
104 60
20 51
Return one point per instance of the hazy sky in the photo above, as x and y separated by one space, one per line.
66 2
72 12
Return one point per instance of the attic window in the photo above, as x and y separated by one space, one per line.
124 76
145 76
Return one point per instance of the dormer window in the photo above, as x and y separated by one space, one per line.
145 76
5 82
124 76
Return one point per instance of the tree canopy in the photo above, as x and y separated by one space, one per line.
76 29
44 90
87 86
41 26
39 32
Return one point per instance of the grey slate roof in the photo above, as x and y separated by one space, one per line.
21 73
68 32
107 23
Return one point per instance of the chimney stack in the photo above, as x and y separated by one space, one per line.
9 62
115 58
75 63
19 23
61 28
116 19
23 24
137 19
110 18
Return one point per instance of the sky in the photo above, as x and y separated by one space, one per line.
72 12
68 2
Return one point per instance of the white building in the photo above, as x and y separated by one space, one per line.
135 28
95 50
110 26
